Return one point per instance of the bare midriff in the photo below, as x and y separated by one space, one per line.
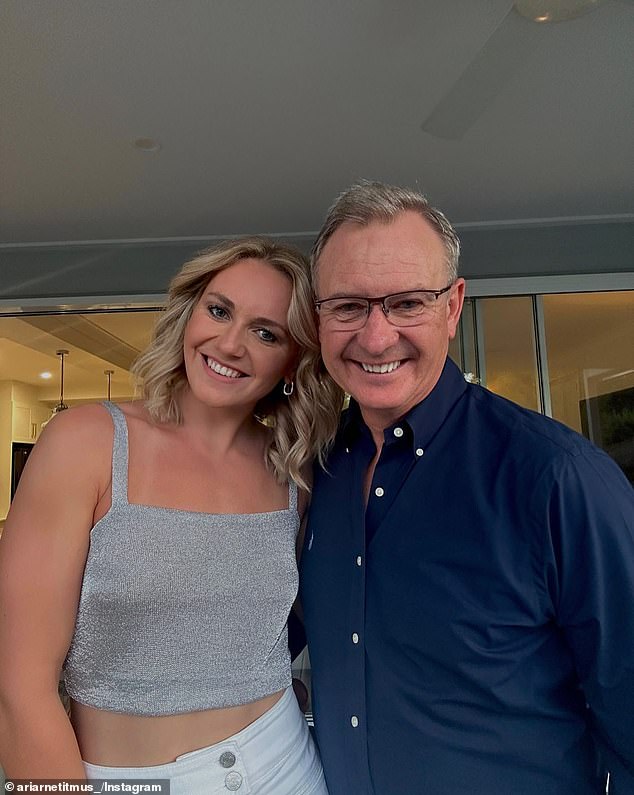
115 739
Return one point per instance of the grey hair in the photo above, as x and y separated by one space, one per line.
367 201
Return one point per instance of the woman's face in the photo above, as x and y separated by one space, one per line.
237 346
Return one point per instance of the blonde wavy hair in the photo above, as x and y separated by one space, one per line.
304 424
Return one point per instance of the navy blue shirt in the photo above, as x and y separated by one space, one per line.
472 630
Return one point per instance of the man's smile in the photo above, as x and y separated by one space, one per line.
385 367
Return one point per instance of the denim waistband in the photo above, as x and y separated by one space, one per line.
275 744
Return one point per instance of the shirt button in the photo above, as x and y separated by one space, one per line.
354 721
233 781
398 432
379 491
355 637
227 759
419 451
359 560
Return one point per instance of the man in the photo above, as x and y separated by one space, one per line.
468 566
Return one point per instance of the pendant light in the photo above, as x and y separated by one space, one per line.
61 406
108 374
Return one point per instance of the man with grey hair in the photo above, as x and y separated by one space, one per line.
466 561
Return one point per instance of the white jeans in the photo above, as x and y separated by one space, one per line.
274 755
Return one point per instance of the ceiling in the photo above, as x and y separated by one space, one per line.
265 110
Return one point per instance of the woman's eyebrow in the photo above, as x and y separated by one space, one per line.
265 321
223 298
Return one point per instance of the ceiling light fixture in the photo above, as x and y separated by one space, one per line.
150 145
504 52
108 374
555 10
61 406
46 375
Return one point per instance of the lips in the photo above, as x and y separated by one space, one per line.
385 367
222 369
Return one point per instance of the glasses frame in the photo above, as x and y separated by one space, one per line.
380 300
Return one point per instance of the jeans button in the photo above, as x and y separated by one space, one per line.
227 759
233 781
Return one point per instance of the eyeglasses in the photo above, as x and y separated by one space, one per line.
350 313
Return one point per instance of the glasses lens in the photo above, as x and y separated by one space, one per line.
406 308
346 312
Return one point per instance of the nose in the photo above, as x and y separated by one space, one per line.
378 334
230 341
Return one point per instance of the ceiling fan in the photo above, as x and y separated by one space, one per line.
505 50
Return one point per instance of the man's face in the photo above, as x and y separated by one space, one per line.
374 260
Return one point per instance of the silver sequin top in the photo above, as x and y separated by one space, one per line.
181 611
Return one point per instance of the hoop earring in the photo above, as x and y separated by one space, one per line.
288 388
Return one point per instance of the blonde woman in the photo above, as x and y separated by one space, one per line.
149 553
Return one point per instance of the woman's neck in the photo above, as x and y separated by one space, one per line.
219 429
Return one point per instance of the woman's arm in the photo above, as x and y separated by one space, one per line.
42 556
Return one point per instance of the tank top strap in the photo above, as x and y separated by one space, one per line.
119 454
292 495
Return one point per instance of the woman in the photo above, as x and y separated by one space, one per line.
149 551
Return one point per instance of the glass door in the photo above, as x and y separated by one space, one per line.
590 343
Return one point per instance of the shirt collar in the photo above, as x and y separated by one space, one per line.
423 420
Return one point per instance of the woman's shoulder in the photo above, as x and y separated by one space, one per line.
96 416
77 433
74 449
89 426
95 421
78 422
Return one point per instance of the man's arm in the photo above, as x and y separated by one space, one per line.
591 517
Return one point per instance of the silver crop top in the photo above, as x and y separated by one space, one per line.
181 610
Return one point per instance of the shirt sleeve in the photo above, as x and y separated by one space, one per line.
591 523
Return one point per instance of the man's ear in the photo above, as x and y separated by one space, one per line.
455 302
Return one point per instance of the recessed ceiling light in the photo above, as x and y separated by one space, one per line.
46 375
146 144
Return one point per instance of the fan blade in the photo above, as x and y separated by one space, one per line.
482 80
